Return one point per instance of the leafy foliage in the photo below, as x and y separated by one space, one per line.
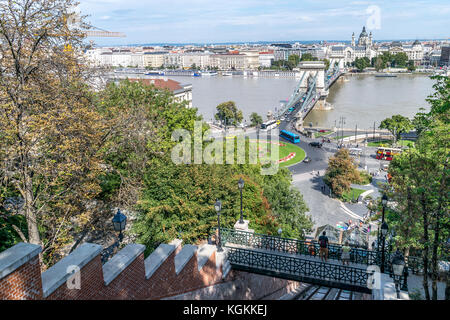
228 113
397 124
341 172
255 119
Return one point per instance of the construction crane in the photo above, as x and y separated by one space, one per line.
72 20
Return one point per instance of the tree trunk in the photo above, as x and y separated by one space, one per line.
30 213
425 249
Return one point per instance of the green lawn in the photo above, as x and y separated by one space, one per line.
286 150
352 194
299 154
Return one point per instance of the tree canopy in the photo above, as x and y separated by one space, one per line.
228 113
396 124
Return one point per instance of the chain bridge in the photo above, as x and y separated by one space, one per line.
312 89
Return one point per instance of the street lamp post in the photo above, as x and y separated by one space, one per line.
384 229
119 222
218 207
241 186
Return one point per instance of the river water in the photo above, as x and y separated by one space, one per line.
362 99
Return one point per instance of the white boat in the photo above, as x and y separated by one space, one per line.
227 74
255 74
277 74
208 73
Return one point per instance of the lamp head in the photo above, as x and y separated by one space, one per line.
119 221
218 206
398 264
241 183
384 199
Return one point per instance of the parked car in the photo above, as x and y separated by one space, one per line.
322 130
307 160
315 144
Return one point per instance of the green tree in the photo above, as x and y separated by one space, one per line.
419 186
379 64
387 59
362 63
341 172
255 119
400 59
396 125
308 57
440 99
327 63
228 113
51 132
294 59
410 65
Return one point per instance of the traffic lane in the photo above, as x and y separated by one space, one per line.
319 160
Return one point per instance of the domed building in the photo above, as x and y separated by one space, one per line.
364 48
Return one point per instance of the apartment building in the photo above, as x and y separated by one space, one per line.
233 61
154 59
199 59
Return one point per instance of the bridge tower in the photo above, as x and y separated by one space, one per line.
313 69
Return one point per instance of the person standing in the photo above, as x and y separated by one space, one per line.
323 243
345 256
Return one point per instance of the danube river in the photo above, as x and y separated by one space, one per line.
362 99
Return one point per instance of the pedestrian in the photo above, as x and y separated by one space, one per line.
345 256
323 243
312 249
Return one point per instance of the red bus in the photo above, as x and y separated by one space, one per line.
387 153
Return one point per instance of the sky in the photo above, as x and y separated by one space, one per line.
222 21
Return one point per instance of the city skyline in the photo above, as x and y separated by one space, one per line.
202 21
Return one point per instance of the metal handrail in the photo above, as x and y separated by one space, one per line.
270 263
311 248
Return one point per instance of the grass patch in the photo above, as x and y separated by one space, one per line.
299 154
365 178
353 193
285 151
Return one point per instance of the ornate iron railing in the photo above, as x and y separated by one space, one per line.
299 269
310 248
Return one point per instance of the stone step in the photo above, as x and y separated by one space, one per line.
183 257
121 261
156 259
204 253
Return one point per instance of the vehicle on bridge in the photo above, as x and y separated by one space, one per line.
291 109
292 137
387 153
269 125
315 144
307 160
